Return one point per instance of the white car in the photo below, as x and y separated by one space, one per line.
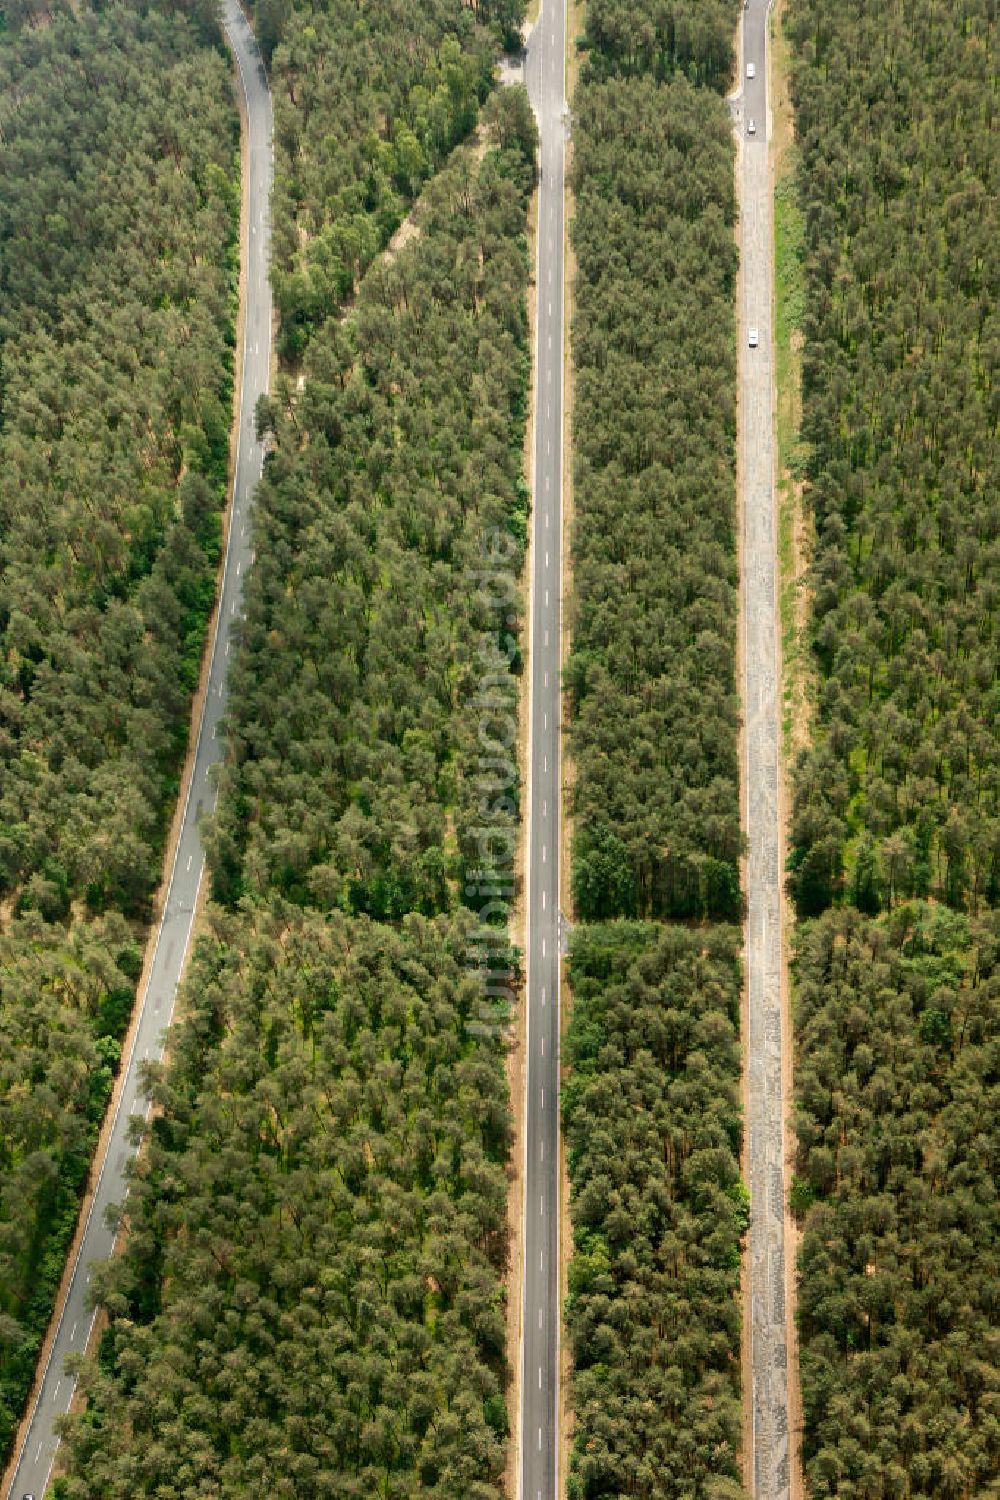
751 128
751 70
754 339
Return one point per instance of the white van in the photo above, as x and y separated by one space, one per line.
751 70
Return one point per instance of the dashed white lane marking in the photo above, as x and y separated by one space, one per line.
190 858
546 679
543 901
546 633
55 1393
541 1204
238 567
543 1046
73 1334
539 1440
39 1452
546 598
539 1317
546 558
227 647
545 716
543 994
539 1377
214 728
543 1096
543 854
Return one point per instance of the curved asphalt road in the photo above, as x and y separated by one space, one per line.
539 1424
765 1105
38 1449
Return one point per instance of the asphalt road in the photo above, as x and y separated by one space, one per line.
38 1449
539 1425
768 1331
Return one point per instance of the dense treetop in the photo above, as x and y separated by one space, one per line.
900 795
653 1130
897 1119
658 38
368 101
896 803
118 263
311 1301
651 672
353 727
651 1102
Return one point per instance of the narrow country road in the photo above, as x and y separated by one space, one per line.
761 705
52 1399
539 1424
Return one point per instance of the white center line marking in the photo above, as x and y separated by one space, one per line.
73 1334
190 858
